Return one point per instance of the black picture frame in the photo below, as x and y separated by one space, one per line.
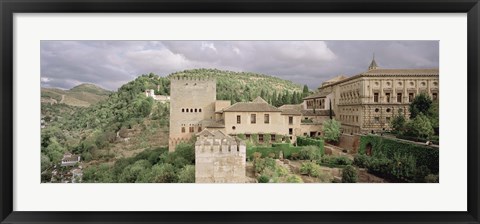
9 7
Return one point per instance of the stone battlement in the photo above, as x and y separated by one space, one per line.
223 147
190 78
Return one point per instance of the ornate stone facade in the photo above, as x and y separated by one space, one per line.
368 101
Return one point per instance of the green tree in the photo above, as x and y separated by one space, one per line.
349 174
164 173
420 104
420 126
187 174
331 130
305 92
398 123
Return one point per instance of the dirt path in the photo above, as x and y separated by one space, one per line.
63 97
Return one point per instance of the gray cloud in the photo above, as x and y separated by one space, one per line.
111 64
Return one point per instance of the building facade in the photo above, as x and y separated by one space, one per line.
368 101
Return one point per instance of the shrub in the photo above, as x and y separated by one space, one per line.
385 147
431 178
263 179
333 161
310 152
187 174
361 161
349 174
420 126
304 141
294 179
164 173
310 169
186 151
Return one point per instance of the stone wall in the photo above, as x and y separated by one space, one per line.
220 162
350 142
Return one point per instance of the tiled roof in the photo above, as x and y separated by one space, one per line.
291 109
257 105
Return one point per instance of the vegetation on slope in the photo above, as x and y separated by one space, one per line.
82 95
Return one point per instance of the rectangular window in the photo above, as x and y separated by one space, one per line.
399 97
375 97
290 120
267 118
260 138
239 119
191 129
273 137
253 118
377 119
434 96
410 97
247 136
183 129
387 96
199 129
290 131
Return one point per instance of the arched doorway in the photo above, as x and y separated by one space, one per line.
368 149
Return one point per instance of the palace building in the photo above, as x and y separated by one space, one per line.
368 101
362 103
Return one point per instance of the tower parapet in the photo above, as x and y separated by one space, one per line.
219 158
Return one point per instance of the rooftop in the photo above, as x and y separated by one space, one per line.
257 105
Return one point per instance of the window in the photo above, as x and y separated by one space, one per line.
195 110
434 96
290 120
387 96
375 97
187 110
260 137
377 119
183 110
399 97
191 129
233 127
273 137
183 129
290 131
253 118
200 110
199 129
191 110
267 118
410 97
247 136
239 119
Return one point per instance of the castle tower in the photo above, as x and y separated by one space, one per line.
192 100
373 64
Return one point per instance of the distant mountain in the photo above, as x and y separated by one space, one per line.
82 95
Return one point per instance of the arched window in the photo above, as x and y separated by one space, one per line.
200 110
191 110
195 109
183 110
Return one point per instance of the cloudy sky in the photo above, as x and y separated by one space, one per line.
110 64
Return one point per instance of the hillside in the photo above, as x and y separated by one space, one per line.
82 95
246 86
127 123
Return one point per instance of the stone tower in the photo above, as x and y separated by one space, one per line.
192 100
